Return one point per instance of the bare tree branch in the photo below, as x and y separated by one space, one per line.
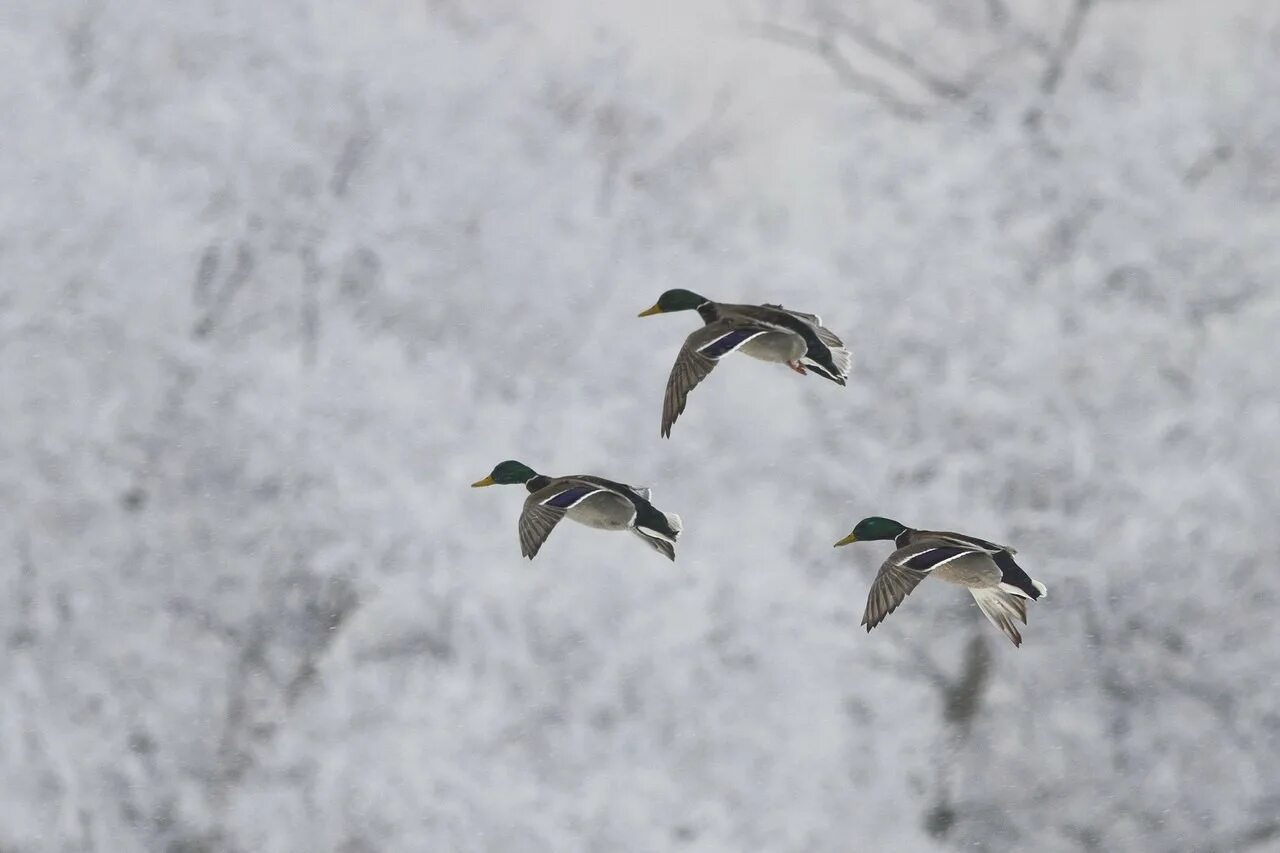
24 634
1206 163
204 619
894 55
220 300
205 271
836 25
1261 833
1065 47
824 48
698 147
962 695
997 13
982 68
309 319
1059 56
354 152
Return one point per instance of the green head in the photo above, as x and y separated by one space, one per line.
509 473
873 528
676 300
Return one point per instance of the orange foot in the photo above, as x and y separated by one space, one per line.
797 367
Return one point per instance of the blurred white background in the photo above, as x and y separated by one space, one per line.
279 279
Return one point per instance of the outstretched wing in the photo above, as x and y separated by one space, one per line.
892 585
544 508
697 357
536 523
1003 610
902 573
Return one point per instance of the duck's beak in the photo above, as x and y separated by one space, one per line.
846 540
649 311
487 481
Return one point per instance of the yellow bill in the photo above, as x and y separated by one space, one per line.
487 481
648 311
846 540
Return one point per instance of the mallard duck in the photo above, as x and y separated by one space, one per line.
987 570
593 501
767 332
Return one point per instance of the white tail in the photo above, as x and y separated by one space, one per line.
843 360
674 520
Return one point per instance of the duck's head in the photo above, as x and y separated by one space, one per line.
509 473
676 300
872 528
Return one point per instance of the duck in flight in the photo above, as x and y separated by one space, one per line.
767 332
987 570
593 501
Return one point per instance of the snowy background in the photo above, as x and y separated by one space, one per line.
279 279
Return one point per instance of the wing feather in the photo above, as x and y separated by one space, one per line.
811 319
697 358
902 572
1003 610
893 583
537 521
963 539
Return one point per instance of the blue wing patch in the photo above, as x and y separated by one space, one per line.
926 560
569 496
728 342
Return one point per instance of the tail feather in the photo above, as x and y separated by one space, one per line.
1003 609
651 521
1014 577
835 366
824 372
843 360
660 530
662 545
